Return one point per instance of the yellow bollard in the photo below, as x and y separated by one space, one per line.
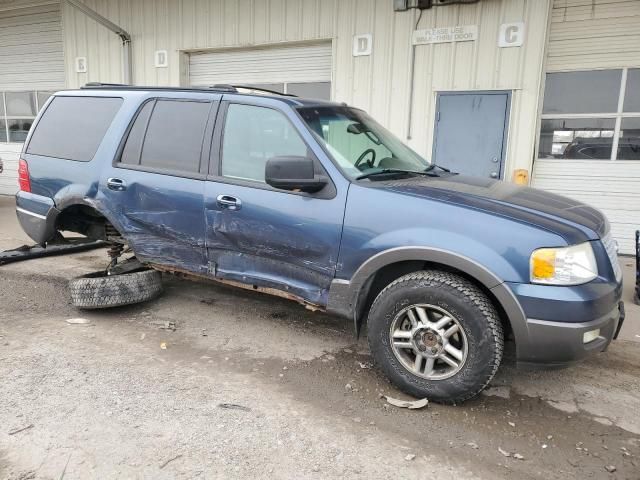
521 177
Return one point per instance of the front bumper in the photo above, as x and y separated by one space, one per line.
551 321
559 344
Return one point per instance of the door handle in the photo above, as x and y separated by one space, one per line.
229 202
116 184
494 174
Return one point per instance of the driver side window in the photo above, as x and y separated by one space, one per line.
252 135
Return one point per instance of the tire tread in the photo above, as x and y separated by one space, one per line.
470 292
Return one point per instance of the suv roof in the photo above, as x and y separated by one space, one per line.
218 88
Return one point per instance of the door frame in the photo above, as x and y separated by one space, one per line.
507 117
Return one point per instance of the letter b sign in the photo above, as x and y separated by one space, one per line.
511 35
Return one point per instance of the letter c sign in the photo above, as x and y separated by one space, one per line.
511 35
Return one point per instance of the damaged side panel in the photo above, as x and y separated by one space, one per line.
277 239
161 218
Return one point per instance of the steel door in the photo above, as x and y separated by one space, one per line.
471 132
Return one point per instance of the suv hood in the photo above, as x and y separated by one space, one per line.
573 220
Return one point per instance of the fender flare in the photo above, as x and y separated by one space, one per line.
346 297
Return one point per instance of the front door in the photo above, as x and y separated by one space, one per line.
258 235
471 132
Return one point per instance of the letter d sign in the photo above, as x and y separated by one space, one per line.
511 35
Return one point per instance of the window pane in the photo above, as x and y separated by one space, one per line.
174 135
73 127
319 90
21 104
133 147
632 92
582 92
629 143
18 129
3 131
42 98
252 135
584 138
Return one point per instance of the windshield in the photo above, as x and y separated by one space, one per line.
358 143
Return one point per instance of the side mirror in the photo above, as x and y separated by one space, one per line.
293 173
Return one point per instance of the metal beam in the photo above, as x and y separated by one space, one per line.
121 32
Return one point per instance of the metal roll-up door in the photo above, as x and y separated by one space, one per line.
299 69
31 60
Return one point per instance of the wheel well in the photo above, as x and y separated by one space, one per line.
387 274
86 221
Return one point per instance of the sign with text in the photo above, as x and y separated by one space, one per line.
462 33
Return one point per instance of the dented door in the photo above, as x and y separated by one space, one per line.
256 234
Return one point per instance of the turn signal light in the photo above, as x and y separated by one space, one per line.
24 180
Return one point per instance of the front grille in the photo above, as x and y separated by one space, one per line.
611 247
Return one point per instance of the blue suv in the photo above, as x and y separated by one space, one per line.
315 201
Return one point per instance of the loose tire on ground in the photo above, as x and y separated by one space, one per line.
98 290
478 326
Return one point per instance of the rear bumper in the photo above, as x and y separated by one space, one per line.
37 216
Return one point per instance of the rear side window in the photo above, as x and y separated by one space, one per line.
167 135
73 127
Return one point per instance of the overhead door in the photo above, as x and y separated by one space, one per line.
31 66
303 70
589 146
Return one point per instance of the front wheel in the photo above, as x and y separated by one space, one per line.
436 335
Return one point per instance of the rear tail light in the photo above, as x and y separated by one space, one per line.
23 176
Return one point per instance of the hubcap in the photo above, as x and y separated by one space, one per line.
429 341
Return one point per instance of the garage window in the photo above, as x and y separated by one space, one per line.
591 115
17 112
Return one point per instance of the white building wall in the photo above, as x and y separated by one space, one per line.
591 35
378 83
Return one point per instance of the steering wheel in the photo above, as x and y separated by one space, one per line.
363 155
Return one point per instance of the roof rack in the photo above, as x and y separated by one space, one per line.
220 87
252 88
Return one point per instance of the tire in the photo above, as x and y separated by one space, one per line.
436 293
98 290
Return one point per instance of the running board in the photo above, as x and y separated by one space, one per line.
27 252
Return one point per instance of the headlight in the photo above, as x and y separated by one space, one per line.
563 266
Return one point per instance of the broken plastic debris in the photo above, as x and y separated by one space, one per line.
78 321
163 345
409 457
517 456
411 405
504 452
234 406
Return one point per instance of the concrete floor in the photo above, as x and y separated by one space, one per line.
250 386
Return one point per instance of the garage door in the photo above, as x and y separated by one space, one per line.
303 70
31 66
589 145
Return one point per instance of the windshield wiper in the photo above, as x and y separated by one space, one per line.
433 165
384 171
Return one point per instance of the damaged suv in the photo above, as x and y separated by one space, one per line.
315 201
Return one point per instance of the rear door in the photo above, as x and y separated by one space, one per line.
156 184
259 235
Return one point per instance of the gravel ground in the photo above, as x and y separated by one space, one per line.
214 382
